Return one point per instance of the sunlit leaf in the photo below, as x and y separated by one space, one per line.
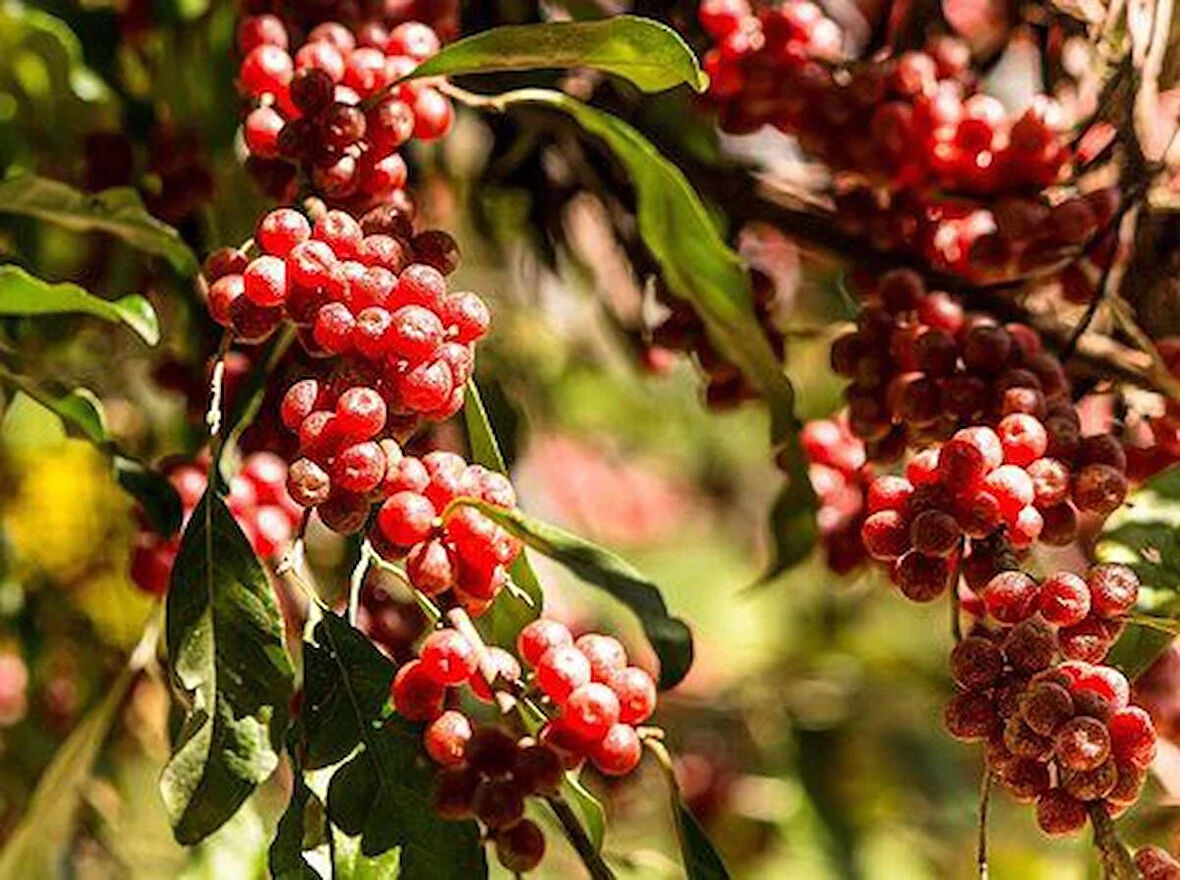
225 650
670 637
647 53
23 294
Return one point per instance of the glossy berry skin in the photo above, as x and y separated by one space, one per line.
406 518
448 657
539 636
416 694
618 752
606 655
446 738
636 692
590 710
561 670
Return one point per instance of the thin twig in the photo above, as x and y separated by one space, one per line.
985 790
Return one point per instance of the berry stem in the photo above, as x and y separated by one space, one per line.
1116 859
578 838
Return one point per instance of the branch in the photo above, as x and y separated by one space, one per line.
1116 860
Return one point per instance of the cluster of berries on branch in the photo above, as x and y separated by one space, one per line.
1058 725
593 700
257 498
923 161
840 476
362 16
336 108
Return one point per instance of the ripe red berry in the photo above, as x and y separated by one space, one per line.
446 738
360 414
1010 596
1059 813
406 518
590 710
885 535
618 752
636 692
1064 599
280 230
1132 736
1082 743
562 669
606 655
416 695
1114 589
539 636
448 657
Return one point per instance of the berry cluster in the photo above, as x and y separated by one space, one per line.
361 16
1156 863
840 477
1058 725
594 697
257 498
335 108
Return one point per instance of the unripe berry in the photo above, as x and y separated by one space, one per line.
1030 646
492 751
308 483
1091 785
1024 742
520 847
453 792
1059 813
538 769
970 717
1099 488
935 533
976 663
1045 706
921 578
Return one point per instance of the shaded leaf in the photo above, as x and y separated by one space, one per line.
23 294
588 808
248 398
1145 534
382 794
698 266
701 860
154 492
38 845
513 608
669 636
225 650
119 212
647 53
285 856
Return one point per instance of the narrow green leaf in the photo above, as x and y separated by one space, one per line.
25 295
225 650
669 636
647 53
513 608
37 847
1145 534
119 212
701 860
383 792
698 266
285 856
588 808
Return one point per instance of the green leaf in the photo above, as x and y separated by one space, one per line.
588 808
23 294
514 608
285 857
383 792
248 400
698 266
669 636
346 682
1145 534
37 847
225 650
650 55
119 212
701 861
155 494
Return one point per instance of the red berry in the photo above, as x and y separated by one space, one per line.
358 468
590 710
266 69
415 332
885 535
280 230
1132 736
222 295
1082 743
446 738
507 667
448 657
539 636
299 402
636 692
1059 813
1064 599
360 414
416 695
308 483
1010 596
406 518
618 752
606 655
1114 589
561 670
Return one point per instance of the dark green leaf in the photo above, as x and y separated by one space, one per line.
225 650
1145 534
345 685
248 400
649 54
119 212
23 294
701 861
698 266
669 636
285 857
383 793
513 608
154 492
37 846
